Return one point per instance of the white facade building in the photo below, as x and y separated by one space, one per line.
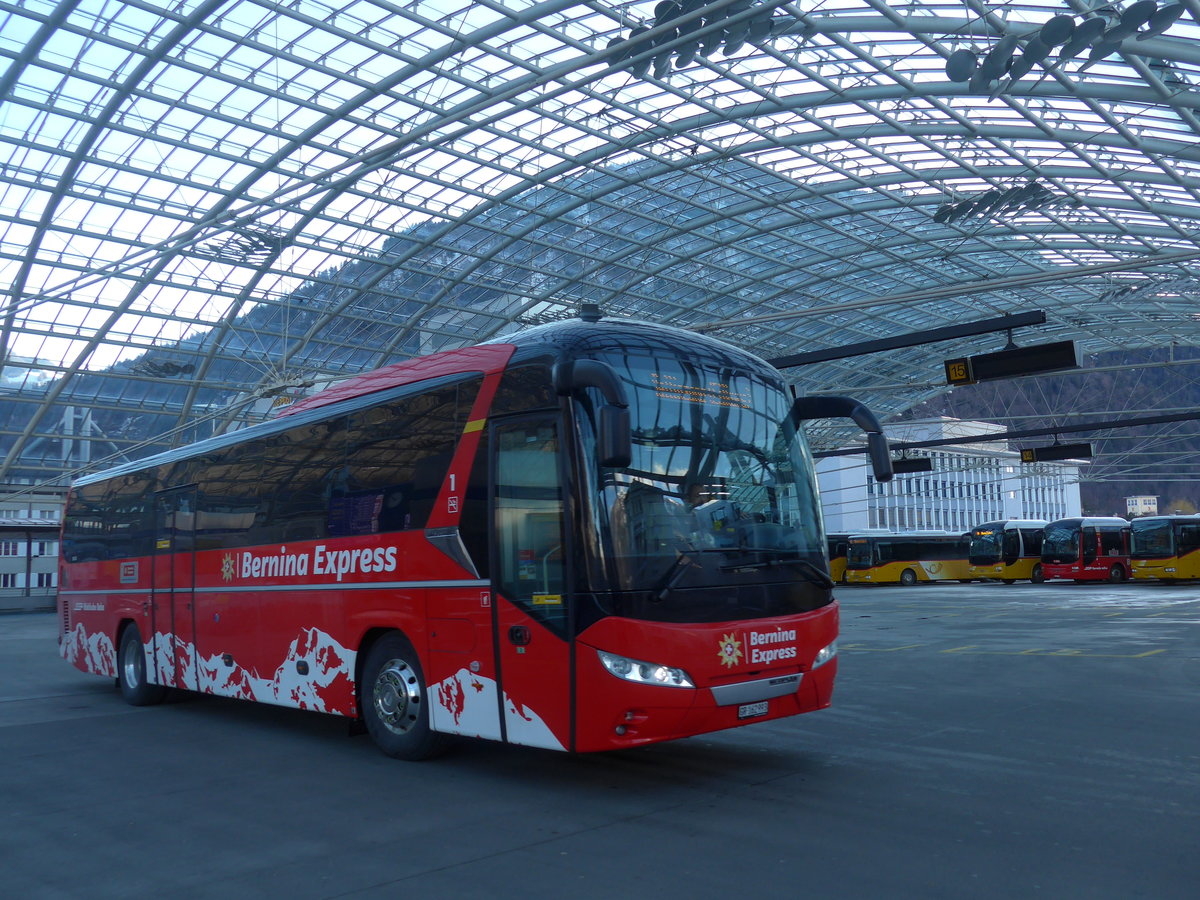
1145 505
29 525
969 484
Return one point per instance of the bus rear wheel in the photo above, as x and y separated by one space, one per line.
1116 575
1037 576
392 700
908 578
136 688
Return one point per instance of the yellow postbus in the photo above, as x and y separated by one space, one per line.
837 556
907 558
1008 551
1165 547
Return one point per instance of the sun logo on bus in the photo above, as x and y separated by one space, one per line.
730 650
227 567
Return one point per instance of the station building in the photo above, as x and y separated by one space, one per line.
29 542
970 483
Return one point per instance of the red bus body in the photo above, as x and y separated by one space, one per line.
292 619
1090 548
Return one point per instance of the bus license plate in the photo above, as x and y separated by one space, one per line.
750 710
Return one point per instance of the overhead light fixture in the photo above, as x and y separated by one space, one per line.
1102 31
730 27
1054 452
1032 196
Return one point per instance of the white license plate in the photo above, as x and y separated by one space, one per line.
750 710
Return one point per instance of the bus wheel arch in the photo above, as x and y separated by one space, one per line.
132 678
908 577
392 699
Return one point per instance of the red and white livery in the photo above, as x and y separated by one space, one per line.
594 535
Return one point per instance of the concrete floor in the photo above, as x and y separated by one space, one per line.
986 741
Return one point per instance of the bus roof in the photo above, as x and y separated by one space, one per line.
568 336
1084 521
1012 523
481 358
859 535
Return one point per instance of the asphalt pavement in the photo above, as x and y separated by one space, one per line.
986 741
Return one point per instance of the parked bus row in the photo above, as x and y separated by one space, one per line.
1081 549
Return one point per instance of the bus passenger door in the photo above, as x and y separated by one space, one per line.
532 633
173 587
1091 540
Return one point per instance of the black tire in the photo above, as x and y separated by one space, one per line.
135 686
1116 574
908 578
393 702
1037 576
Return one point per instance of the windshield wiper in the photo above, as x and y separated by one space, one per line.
678 567
810 572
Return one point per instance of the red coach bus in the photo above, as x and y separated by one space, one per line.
594 535
1092 548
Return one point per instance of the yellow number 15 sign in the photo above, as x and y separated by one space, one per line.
958 371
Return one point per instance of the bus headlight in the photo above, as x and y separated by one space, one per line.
824 655
644 672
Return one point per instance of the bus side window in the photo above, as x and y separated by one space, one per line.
1112 542
1090 545
529 512
473 524
398 454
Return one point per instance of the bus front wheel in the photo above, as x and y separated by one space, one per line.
908 578
1038 576
1116 575
392 700
136 688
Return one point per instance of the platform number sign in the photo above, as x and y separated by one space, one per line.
958 371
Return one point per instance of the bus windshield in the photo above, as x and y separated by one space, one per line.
986 545
1152 540
719 494
1061 542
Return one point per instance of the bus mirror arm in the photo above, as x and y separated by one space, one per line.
614 438
848 408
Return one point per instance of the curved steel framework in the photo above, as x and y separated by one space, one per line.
209 204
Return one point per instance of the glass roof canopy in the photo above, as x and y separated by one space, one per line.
210 205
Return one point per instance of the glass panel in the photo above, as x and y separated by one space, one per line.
529 512
1061 542
714 468
1152 540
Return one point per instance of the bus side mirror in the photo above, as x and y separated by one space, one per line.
615 437
881 456
848 408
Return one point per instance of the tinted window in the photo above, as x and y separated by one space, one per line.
1189 538
396 460
525 387
1112 542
